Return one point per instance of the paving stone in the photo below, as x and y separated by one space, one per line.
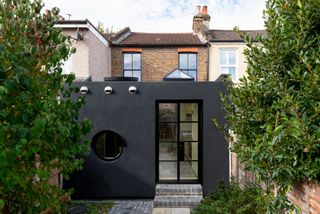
171 211
132 207
180 211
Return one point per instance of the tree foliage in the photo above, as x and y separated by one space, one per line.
275 111
39 127
100 27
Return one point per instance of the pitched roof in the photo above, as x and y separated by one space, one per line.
82 24
160 39
233 36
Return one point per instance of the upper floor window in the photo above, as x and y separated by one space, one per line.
188 64
67 66
132 65
228 62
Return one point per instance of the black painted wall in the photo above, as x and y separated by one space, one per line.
133 174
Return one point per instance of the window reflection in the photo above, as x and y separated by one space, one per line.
168 112
107 145
188 64
132 65
228 62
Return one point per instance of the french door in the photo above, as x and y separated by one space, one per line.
178 141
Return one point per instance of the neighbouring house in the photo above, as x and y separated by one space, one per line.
92 58
226 47
226 53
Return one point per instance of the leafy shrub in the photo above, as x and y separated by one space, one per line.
274 112
233 199
39 127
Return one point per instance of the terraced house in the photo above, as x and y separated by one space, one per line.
152 106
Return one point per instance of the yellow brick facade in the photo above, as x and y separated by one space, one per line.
157 62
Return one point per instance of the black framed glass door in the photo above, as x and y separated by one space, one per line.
178 141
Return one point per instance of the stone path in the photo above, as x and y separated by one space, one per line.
132 207
143 207
171 211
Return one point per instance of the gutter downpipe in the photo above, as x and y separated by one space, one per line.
208 59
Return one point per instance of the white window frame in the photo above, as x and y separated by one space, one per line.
228 65
67 65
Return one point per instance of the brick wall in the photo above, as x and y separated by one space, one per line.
306 196
157 62
55 178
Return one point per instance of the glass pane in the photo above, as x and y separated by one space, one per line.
108 145
127 61
136 58
192 61
168 131
137 74
224 70
183 61
232 57
127 73
168 112
168 151
178 74
188 170
190 151
188 131
223 57
193 73
168 170
232 71
189 112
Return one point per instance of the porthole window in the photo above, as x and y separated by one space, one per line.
108 145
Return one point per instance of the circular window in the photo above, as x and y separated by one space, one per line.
108 145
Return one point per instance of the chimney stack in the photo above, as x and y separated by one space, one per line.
198 9
200 18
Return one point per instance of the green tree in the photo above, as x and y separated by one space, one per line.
39 127
275 111
100 27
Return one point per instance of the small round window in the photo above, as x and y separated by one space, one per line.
108 145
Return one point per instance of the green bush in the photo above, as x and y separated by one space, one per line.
233 199
39 126
274 112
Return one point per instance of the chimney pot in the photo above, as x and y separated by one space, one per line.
205 10
198 9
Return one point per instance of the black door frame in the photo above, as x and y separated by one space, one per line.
200 146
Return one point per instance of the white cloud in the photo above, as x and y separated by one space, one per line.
163 15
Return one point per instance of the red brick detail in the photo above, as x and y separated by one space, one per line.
55 178
306 196
132 50
190 50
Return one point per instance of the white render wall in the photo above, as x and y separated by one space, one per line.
92 57
214 59
99 58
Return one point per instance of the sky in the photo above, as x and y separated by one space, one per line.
162 15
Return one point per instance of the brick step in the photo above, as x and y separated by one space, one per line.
177 201
179 189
